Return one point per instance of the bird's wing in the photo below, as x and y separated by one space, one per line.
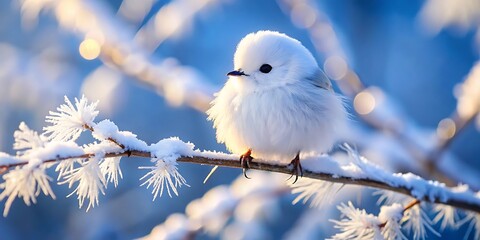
319 79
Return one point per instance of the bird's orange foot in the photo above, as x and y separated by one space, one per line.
245 160
296 168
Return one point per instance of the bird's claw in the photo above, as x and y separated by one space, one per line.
245 160
296 168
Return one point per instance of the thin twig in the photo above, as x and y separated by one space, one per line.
410 205
91 129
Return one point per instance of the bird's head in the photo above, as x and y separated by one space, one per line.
268 59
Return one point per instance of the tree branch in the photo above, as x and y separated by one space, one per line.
396 182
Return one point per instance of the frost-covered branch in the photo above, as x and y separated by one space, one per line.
359 172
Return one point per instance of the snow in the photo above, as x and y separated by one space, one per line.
106 129
101 148
394 211
6 159
419 187
55 150
171 149
215 155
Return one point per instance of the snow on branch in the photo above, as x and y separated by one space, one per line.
91 167
326 168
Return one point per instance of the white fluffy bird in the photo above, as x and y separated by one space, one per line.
277 103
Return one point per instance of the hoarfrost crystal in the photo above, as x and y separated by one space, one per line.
160 177
91 182
70 121
25 182
110 168
25 138
321 192
356 224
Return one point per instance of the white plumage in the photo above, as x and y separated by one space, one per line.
277 114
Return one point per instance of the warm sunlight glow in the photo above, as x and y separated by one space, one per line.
364 103
89 49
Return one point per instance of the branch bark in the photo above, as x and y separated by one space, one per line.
272 167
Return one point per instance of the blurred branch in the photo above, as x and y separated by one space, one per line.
112 41
468 108
305 14
163 82
203 215
436 155
173 19
434 197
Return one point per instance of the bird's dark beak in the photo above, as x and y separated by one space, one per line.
236 73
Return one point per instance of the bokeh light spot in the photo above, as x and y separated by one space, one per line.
89 49
446 128
364 103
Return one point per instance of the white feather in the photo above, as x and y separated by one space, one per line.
291 109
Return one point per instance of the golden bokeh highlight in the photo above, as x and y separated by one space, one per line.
364 103
89 49
446 128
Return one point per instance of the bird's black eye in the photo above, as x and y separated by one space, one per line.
265 68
